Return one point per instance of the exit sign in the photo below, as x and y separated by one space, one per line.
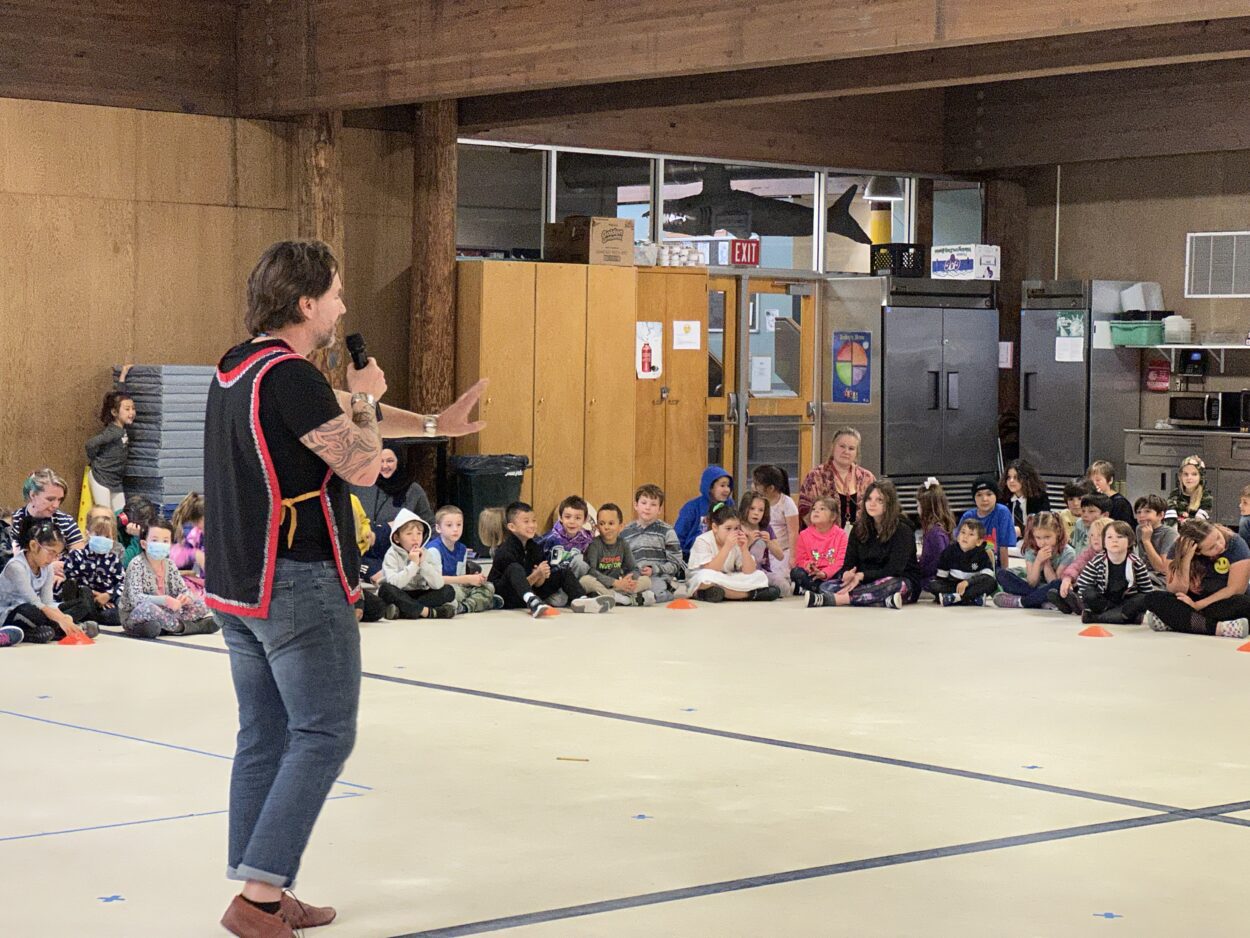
743 253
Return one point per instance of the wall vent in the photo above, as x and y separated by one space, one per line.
1217 264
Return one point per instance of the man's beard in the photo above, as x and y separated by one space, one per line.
326 340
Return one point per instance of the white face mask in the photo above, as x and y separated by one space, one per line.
99 544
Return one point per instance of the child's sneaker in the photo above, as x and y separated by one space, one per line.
390 612
206 625
462 609
91 629
623 599
713 594
1155 622
975 601
765 594
445 611
538 610
646 598
948 599
816 598
1232 628
1007 601
593 604
894 601
796 590
496 602
11 635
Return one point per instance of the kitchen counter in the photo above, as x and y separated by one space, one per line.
1152 458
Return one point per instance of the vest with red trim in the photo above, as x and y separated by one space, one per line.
243 506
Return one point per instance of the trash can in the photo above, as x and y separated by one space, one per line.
486 481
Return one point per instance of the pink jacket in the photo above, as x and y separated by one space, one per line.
1073 570
827 549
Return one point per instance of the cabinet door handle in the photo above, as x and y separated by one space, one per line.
1028 389
936 389
952 390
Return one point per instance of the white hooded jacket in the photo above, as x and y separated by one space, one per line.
399 571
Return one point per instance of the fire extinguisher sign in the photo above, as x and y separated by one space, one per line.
648 350
1159 375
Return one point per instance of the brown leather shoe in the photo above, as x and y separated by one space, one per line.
302 915
245 920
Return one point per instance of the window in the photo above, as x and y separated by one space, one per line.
607 186
956 212
499 202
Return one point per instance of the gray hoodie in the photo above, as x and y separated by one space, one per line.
400 571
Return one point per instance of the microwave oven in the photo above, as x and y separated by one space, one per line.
1218 410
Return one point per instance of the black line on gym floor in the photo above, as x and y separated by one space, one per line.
770 741
811 872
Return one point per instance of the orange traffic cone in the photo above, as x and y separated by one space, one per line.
78 638
681 603
1245 647
550 612
1095 631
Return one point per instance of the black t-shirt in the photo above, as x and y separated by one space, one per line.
1122 510
1215 574
1117 578
294 399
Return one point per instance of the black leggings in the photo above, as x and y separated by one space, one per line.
1182 618
411 602
515 586
982 584
805 580
1107 610
35 624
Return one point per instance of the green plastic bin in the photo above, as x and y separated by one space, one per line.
1136 333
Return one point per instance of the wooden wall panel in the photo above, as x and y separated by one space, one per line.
156 54
63 149
611 302
377 290
377 172
262 159
254 231
68 269
184 158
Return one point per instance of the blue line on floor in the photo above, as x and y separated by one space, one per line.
151 820
811 872
766 741
140 739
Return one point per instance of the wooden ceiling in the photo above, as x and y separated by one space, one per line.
922 85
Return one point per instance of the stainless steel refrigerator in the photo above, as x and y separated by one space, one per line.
1073 412
932 377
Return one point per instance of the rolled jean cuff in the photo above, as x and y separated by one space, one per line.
244 872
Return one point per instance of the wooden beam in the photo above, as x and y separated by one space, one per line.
1104 50
924 215
1007 225
900 132
1112 115
319 209
432 353
306 55
159 55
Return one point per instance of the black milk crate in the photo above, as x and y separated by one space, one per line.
899 260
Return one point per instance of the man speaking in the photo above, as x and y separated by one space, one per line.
280 449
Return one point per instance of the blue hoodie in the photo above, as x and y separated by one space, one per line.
692 521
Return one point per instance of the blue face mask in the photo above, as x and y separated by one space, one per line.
99 544
157 550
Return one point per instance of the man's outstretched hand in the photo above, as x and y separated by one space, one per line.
454 421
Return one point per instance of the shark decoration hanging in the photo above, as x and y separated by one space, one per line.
718 207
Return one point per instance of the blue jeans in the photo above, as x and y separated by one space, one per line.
1031 597
297 678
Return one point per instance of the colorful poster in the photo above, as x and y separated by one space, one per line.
649 349
852 371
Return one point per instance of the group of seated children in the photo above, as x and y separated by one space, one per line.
126 573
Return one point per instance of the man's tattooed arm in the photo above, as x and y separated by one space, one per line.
350 445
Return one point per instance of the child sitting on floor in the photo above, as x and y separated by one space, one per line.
1113 585
154 598
491 529
412 577
1067 599
694 519
1078 531
569 537
613 569
762 545
1102 474
936 525
473 593
965 571
1243 506
721 565
783 514
820 549
524 578
1190 498
1154 538
654 544
96 574
28 611
1000 530
1047 555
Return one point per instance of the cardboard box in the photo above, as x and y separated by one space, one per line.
965 262
580 239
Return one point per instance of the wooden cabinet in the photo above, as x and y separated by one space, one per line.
671 411
556 341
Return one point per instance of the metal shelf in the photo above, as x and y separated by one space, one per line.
1172 348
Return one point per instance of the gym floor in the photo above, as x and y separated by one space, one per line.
734 770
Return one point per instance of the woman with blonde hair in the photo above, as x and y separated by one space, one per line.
840 477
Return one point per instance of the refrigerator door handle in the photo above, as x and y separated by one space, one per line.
936 377
952 390
1028 390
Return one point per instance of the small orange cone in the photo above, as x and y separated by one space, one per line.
682 603
79 638
550 612
1095 631
1245 647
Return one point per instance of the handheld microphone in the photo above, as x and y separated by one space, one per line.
356 348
